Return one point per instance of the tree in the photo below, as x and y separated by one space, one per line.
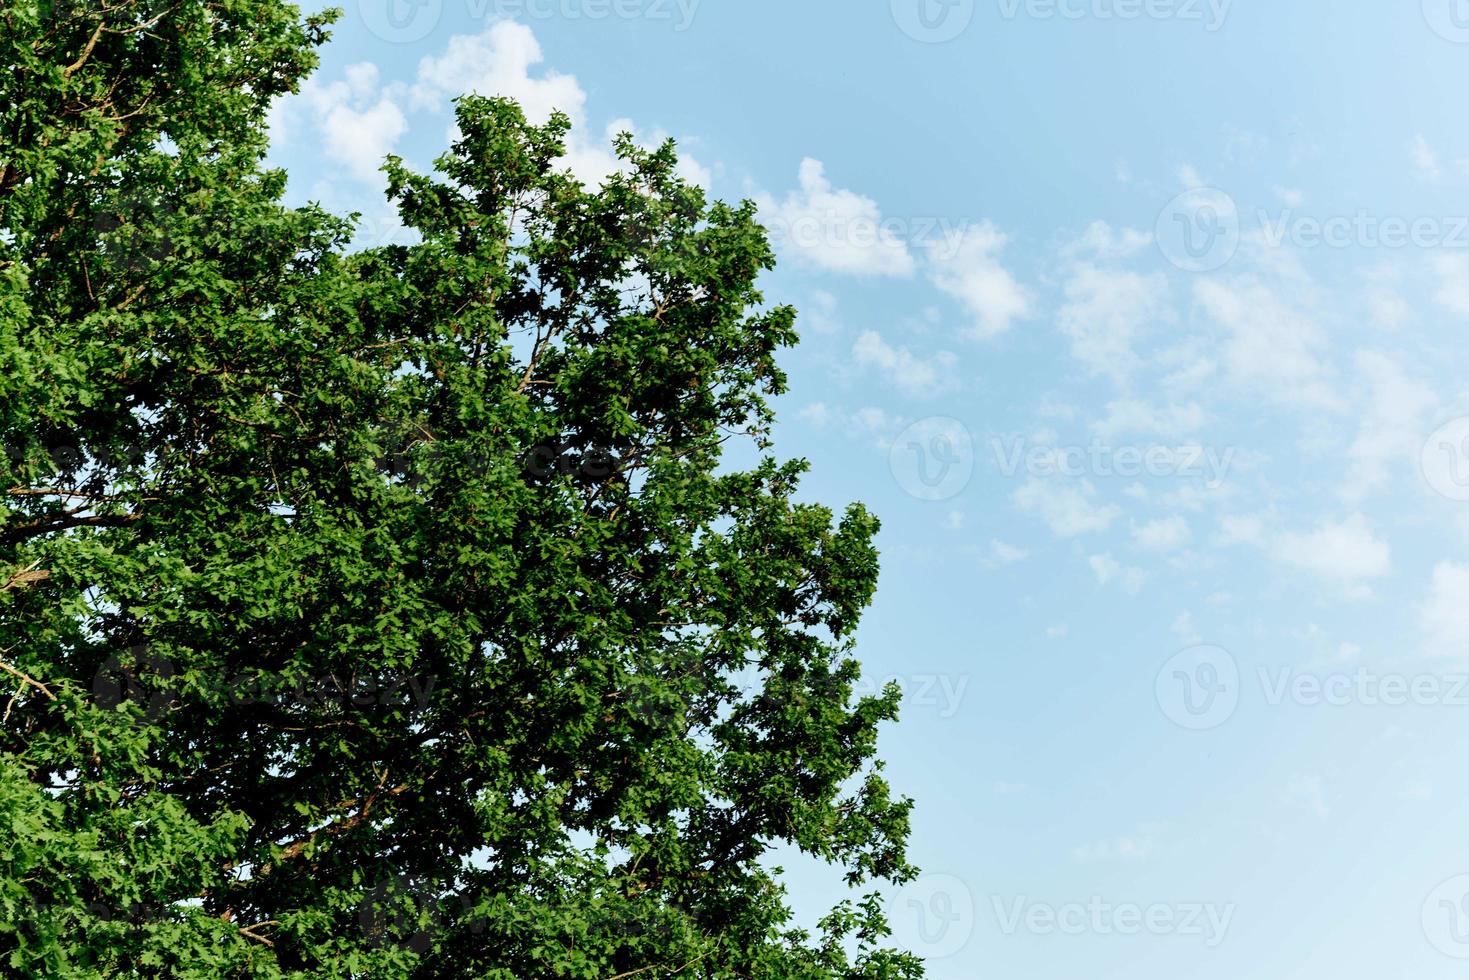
395 613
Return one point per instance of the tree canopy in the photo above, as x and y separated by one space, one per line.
394 612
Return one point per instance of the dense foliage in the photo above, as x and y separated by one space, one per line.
391 613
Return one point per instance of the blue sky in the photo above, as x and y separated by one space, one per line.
1140 324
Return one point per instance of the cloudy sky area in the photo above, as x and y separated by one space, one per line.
1142 327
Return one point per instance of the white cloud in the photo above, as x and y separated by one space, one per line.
359 120
1289 197
1108 570
1425 160
910 373
1069 509
356 123
967 267
1189 177
498 62
1104 312
1308 789
1132 416
1189 367
1184 628
1132 847
821 313
1004 554
835 230
1392 428
870 424
1388 307
1270 345
1163 534
1102 241
1444 617
1453 283
1243 146
1241 529
1348 552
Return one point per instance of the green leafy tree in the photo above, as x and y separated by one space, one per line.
392 613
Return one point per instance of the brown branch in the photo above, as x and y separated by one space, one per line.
27 680
250 931
659 966
25 577
296 848
46 525
76 66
